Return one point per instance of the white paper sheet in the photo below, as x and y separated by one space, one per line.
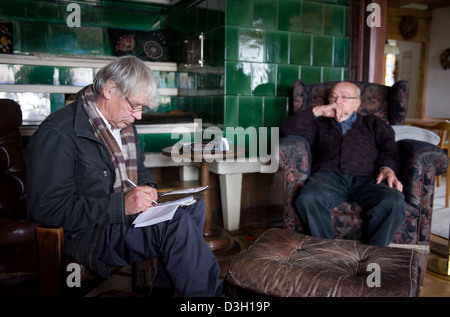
162 212
184 191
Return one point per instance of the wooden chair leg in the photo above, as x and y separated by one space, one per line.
50 248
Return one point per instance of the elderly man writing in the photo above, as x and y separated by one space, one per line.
86 173
353 157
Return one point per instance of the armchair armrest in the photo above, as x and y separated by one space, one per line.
295 162
295 158
421 162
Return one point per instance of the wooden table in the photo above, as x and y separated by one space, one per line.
216 238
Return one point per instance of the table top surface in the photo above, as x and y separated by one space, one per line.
208 153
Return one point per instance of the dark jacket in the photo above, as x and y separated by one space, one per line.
363 150
70 182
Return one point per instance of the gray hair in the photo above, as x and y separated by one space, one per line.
131 77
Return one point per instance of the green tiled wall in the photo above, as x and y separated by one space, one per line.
254 49
268 44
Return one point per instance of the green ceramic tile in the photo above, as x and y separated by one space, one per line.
207 108
265 14
300 49
346 22
231 111
238 78
331 74
156 142
251 45
33 37
239 12
263 79
334 17
289 15
312 17
218 109
250 111
322 50
27 75
275 110
286 76
341 51
62 39
91 41
75 76
57 101
232 43
311 74
276 47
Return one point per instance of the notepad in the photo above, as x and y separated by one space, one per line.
184 191
162 212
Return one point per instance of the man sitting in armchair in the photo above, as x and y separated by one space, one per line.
354 157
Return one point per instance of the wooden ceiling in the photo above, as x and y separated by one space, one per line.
430 4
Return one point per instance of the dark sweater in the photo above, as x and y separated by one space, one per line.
363 150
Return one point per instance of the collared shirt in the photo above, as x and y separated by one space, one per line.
347 124
115 132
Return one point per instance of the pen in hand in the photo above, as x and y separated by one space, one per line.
134 185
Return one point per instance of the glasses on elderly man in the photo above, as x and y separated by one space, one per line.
135 108
334 97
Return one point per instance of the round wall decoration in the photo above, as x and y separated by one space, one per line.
408 26
445 59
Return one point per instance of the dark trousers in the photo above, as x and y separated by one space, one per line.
324 190
186 262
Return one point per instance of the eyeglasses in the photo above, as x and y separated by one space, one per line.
134 108
333 97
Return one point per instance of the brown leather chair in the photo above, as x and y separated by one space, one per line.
25 257
18 246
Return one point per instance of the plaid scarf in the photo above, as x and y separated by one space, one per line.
125 160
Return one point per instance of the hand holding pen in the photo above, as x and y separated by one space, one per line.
139 198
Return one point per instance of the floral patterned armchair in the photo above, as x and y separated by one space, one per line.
421 162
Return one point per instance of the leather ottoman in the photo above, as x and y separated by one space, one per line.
283 263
